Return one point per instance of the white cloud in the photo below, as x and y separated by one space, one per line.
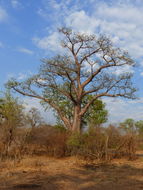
54 4
57 11
122 70
81 22
120 13
51 42
25 50
15 3
3 14
122 21
120 109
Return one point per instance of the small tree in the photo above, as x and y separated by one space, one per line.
34 118
128 126
12 118
88 67
96 114
139 127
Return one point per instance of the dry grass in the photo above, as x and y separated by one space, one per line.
43 173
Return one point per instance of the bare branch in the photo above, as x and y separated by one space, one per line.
88 69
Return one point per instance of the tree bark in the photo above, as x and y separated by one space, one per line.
76 126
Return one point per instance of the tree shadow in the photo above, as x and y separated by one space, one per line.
88 177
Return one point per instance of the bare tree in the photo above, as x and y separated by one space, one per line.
88 66
34 118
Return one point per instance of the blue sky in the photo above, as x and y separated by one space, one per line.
28 32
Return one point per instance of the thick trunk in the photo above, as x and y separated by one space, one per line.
76 126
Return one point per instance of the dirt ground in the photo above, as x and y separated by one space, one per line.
42 173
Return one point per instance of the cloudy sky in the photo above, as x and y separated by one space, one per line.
28 33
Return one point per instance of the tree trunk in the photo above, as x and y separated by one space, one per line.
76 126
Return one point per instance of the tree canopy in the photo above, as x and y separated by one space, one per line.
11 111
96 114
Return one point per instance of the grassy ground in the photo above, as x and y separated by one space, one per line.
42 173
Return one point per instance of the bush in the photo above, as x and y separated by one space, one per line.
96 143
102 144
47 140
89 145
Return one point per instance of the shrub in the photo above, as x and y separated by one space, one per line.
47 140
89 145
102 144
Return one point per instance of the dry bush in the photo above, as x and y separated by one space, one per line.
120 144
96 143
44 140
13 146
89 145
102 144
127 147
47 140
114 136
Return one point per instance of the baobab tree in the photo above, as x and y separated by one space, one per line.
89 65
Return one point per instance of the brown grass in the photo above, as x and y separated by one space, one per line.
43 173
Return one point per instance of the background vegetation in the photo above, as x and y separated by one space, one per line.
26 134
72 85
